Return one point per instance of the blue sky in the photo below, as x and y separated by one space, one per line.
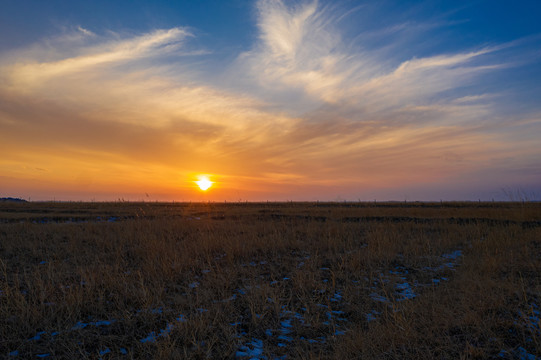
279 100
233 23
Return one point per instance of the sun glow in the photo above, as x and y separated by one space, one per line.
204 183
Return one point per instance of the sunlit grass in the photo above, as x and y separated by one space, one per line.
302 280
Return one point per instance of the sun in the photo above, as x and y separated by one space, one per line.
204 183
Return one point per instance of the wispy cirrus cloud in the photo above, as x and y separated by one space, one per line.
125 101
383 115
109 52
300 47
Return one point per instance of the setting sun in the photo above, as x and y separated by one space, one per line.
204 183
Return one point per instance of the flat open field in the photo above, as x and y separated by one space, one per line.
270 280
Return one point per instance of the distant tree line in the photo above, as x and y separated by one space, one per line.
6 199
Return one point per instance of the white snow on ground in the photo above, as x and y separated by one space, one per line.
532 318
82 325
334 319
380 298
253 349
372 315
520 353
163 332
453 255
404 289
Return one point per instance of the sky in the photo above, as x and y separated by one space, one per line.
272 100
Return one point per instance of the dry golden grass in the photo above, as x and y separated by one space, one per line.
270 280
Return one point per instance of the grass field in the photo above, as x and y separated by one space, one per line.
270 280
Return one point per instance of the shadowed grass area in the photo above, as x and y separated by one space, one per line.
270 280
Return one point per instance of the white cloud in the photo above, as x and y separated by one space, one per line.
301 48
308 106
29 73
85 31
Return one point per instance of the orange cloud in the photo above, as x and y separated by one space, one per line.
301 115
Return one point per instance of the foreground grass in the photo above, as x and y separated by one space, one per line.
291 280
